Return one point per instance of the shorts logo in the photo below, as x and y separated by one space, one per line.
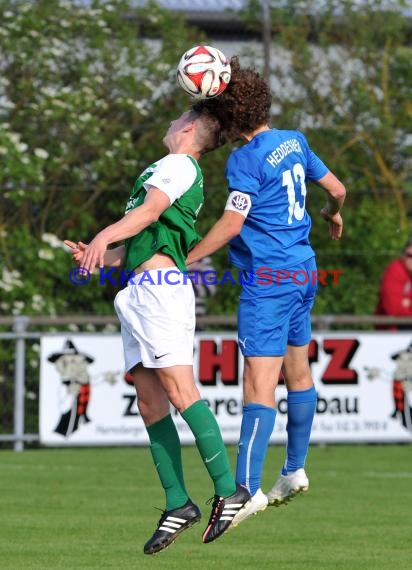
239 202
161 355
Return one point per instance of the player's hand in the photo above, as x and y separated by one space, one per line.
77 250
335 223
93 254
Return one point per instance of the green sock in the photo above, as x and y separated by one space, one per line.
211 447
167 457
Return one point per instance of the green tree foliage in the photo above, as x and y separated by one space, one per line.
86 93
341 73
87 90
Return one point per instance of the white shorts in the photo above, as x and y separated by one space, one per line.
157 322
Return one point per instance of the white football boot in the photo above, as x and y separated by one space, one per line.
287 486
257 503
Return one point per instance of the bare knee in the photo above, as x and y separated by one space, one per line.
153 411
179 384
298 378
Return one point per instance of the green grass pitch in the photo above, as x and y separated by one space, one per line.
93 509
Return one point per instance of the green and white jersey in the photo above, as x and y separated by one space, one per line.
179 176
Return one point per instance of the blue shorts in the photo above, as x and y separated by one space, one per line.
274 311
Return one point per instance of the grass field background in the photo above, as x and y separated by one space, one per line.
93 509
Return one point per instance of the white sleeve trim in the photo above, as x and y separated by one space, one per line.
239 202
174 175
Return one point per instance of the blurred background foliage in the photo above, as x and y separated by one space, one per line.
87 92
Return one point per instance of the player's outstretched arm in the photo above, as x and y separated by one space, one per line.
112 257
131 224
225 229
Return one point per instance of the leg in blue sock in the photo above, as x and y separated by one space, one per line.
257 426
301 411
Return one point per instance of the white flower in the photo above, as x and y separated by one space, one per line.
3 150
57 103
37 302
14 138
21 147
85 117
18 306
10 279
50 91
52 240
6 103
56 52
41 153
46 254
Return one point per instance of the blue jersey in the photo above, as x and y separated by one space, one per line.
273 169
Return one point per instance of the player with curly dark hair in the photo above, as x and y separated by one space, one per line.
266 223
243 106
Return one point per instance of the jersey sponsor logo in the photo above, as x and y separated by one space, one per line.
240 202
166 180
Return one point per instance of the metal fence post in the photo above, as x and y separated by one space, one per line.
19 327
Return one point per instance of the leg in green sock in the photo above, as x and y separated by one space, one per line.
167 457
210 444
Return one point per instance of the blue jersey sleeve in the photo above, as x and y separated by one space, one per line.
242 173
316 169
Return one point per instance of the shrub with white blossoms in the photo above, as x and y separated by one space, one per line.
88 90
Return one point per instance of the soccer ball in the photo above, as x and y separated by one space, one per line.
203 72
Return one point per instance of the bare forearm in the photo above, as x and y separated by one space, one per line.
335 193
334 205
225 229
115 257
130 225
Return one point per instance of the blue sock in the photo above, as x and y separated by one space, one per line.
257 426
301 411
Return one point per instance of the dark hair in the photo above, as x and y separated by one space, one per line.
208 132
243 106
